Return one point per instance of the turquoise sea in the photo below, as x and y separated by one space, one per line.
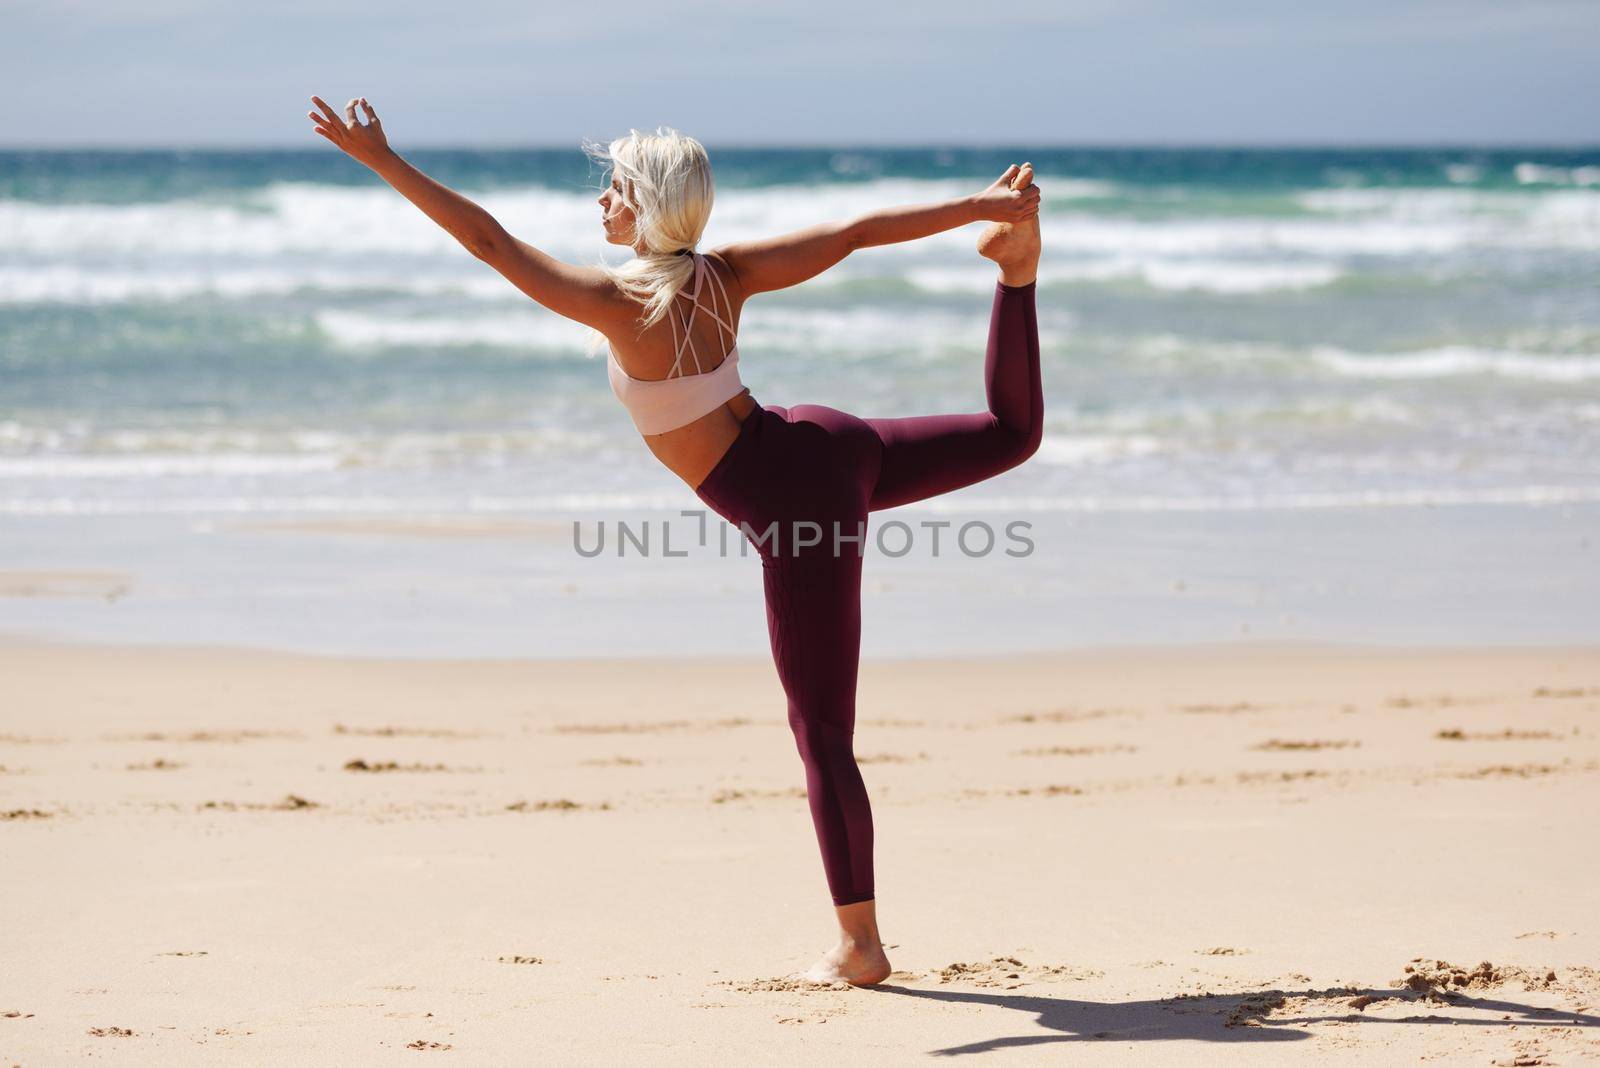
1306 362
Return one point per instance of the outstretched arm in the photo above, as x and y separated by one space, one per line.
580 293
780 262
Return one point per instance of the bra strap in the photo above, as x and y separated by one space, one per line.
724 327
694 297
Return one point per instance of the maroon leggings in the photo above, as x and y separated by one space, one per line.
799 483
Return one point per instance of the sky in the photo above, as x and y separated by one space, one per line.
501 73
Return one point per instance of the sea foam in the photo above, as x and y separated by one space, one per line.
1459 360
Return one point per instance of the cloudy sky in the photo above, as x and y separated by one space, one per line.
495 72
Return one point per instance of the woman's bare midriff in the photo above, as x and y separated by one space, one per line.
691 451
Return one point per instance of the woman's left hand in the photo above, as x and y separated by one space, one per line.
363 143
1005 200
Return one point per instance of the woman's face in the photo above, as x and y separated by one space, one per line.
616 216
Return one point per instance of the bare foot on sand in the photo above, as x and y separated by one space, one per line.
851 963
1014 246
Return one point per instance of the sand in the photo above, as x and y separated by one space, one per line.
1212 855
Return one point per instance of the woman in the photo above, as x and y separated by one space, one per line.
798 481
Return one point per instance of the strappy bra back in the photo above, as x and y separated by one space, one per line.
659 405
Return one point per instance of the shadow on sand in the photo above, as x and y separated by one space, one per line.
1226 1017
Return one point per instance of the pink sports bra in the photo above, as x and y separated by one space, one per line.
658 405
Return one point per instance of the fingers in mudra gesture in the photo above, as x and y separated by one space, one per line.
363 141
1012 197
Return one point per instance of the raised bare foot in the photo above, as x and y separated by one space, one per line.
851 963
1014 246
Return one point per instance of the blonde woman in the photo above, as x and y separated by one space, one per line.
798 481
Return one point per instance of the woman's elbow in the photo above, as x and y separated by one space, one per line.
1035 438
852 235
1025 439
483 246
488 244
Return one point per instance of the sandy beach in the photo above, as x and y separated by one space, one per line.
1244 853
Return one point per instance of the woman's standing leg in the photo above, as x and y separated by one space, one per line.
814 622
808 487
814 619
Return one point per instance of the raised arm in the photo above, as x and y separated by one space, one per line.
580 293
787 260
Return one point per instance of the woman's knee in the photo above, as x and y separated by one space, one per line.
1032 437
1021 441
820 741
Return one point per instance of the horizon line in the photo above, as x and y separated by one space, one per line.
800 146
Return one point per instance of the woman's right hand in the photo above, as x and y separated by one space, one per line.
1003 203
363 143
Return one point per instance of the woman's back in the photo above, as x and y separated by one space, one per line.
711 310
680 380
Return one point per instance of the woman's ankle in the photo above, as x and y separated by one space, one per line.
858 925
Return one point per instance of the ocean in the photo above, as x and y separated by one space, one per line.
221 356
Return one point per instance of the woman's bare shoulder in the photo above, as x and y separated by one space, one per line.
726 272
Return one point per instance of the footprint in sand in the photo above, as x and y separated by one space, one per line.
24 814
558 805
1515 771
390 765
291 803
1010 973
1281 776
1456 734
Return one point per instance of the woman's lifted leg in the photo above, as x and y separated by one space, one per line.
926 455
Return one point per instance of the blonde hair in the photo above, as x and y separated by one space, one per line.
666 181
